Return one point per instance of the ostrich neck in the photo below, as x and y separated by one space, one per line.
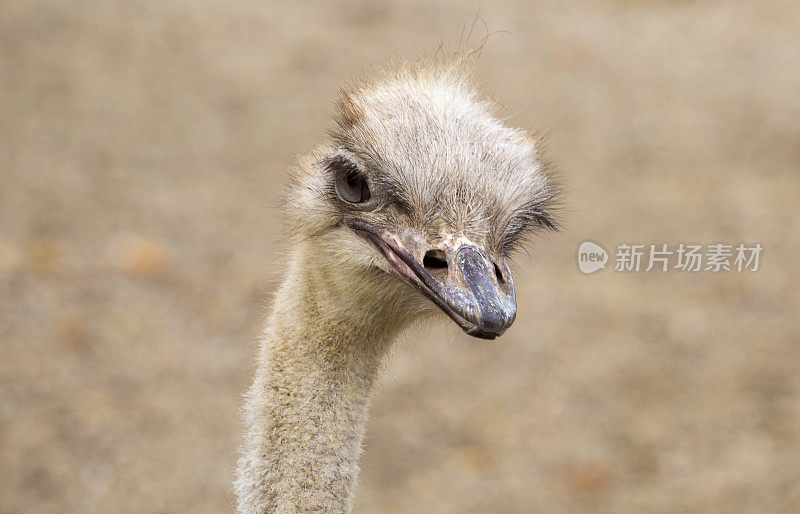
307 408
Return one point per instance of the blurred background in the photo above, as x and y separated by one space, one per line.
142 148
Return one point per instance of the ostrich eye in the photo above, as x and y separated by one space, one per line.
351 186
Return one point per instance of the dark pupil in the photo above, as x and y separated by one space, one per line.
352 187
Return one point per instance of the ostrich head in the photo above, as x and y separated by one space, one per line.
420 185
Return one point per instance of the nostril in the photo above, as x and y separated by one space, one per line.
434 259
498 273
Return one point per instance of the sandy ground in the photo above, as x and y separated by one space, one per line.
142 147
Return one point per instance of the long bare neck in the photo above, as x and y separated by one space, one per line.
307 408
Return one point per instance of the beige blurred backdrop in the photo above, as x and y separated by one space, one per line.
142 148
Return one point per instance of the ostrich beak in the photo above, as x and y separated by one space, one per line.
475 292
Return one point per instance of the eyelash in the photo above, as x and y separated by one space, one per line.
514 238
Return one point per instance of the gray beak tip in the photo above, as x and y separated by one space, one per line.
487 300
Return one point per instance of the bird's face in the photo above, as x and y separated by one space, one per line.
422 184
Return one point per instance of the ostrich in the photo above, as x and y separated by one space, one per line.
412 206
